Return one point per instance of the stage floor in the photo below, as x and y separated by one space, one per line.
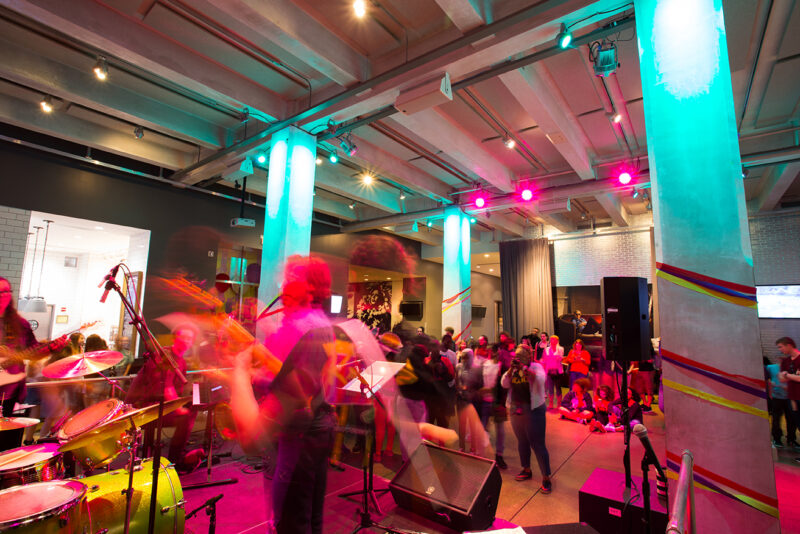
574 454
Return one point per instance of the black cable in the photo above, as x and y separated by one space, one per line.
568 26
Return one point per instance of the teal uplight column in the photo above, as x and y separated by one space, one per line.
290 197
457 273
712 371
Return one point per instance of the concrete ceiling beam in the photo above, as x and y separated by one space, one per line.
441 131
129 39
462 13
288 27
613 206
50 77
23 114
778 182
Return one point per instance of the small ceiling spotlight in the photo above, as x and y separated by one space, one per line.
526 194
415 227
564 37
46 104
634 193
352 205
261 159
138 132
583 215
480 202
624 177
510 143
360 8
319 161
333 157
473 220
402 196
429 224
101 69
367 179
649 206
616 118
348 146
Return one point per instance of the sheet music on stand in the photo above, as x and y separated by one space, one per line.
376 376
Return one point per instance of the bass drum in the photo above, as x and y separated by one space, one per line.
55 507
34 463
106 500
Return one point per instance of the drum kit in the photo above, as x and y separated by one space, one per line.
36 496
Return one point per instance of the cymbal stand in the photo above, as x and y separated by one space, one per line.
154 350
134 435
114 384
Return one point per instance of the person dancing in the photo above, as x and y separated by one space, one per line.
294 406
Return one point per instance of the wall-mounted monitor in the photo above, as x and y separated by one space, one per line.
778 302
478 312
411 310
336 304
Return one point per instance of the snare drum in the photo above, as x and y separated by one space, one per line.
55 507
103 451
106 500
34 463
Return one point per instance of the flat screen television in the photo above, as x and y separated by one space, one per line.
778 302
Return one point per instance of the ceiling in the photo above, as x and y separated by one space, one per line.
208 82
79 236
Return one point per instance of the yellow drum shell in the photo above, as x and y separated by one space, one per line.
106 500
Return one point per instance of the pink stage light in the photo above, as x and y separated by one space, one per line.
480 202
526 194
624 178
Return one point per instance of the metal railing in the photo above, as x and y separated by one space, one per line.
684 497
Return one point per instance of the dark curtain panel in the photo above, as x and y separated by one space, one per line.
526 283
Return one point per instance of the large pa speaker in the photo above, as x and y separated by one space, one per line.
450 487
626 329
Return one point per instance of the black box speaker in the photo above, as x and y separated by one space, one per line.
601 504
455 489
626 322
478 312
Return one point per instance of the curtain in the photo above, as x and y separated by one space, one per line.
526 285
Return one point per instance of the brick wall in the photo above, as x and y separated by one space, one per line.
775 240
13 238
583 261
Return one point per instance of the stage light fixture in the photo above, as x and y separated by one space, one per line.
634 193
624 177
604 58
564 37
473 220
261 159
360 8
367 179
333 157
583 215
429 224
510 143
138 132
46 104
480 202
352 205
348 146
101 69
526 195
402 196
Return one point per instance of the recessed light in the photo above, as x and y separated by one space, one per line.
319 161
491 270
485 255
477 266
388 278
98 227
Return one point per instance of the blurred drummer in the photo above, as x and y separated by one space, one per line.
144 392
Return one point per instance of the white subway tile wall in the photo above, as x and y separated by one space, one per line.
14 224
585 261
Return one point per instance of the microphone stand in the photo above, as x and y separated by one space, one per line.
154 350
210 507
646 493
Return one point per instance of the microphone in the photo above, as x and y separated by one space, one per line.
112 275
661 479
213 500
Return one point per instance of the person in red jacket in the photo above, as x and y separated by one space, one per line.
578 360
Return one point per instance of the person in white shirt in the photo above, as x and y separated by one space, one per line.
552 357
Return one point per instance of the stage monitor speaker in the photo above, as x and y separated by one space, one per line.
601 504
455 489
626 326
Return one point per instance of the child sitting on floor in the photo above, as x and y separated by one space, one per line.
634 412
604 395
577 404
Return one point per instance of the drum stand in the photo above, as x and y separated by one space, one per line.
134 439
210 458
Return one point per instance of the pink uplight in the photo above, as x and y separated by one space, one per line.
624 178
480 202
526 194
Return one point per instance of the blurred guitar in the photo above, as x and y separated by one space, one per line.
10 357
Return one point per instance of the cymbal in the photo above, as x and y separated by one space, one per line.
121 423
12 423
83 364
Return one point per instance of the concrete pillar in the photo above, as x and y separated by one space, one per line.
457 273
713 375
290 196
